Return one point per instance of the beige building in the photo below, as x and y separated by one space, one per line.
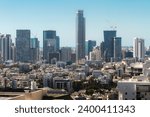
134 89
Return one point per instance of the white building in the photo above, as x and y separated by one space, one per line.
146 68
139 48
95 54
134 89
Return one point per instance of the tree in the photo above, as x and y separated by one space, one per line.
89 91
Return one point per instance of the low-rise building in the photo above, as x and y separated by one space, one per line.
62 83
134 89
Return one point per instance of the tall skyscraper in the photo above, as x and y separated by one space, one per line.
80 36
5 47
23 45
117 49
109 44
50 43
139 48
57 43
34 49
102 50
13 52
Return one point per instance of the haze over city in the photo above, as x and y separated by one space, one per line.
130 17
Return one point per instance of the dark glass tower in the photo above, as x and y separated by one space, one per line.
117 49
23 45
109 44
80 36
49 43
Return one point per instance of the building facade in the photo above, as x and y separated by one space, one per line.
80 36
5 47
117 49
23 46
89 44
134 89
95 54
66 54
50 43
139 48
109 44
34 50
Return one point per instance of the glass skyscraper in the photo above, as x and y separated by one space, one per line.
109 44
117 49
34 50
23 46
80 36
50 43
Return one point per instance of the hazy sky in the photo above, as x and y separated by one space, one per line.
132 18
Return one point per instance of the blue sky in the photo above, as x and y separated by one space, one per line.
131 17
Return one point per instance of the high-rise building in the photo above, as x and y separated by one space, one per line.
66 54
5 47
102 50
50 43
73 57
80 36
57 43
117 49
13 52
109 44
23 45
139 48
89 44
34 49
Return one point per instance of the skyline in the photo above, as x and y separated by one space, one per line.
130 17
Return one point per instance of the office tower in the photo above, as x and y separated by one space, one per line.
5 47
102 50
80 36
50 43
66 54
117 49
13 52
139 48
23 45
57 43
34 50
89 44
109 44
